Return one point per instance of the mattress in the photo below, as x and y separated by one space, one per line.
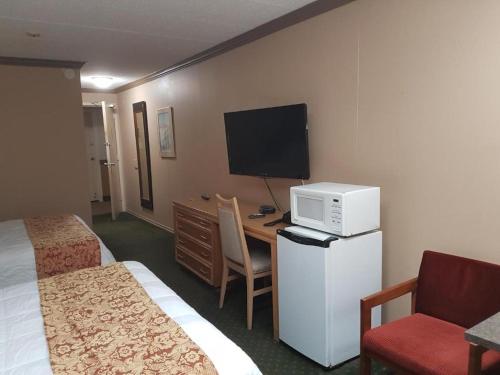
17 256
23 348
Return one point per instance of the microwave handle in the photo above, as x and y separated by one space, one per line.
306 240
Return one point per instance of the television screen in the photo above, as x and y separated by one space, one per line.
268 142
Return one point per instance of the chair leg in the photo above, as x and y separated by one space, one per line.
250 290
225 275
365 364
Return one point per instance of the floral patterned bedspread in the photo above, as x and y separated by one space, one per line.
101 321
62 244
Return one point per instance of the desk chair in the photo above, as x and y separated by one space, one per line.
252 263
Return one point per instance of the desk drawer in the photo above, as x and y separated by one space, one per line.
185 241
193 264
193 219
194 230
197 242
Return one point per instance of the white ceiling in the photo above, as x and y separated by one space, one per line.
128 39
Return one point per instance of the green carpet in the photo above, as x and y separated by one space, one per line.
130 238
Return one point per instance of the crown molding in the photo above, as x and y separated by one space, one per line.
308 11
24 61
98 91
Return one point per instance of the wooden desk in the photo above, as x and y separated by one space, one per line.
196 224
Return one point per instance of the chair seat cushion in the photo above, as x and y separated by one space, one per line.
423 345
261 259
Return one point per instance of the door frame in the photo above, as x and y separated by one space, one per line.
96 173
98 105
115 179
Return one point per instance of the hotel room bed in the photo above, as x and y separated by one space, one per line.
17 258
24 350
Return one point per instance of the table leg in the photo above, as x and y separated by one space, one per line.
475 355
274 265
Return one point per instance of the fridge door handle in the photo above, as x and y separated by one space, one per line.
306 240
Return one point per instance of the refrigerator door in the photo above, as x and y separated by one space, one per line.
321 280
354 272
303 296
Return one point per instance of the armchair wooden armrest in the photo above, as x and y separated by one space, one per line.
376 299
384 296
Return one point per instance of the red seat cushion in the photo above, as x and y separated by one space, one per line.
424 345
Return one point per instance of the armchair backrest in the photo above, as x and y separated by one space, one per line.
458 290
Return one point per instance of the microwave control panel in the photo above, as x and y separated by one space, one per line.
336 212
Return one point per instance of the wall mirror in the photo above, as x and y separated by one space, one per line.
143 154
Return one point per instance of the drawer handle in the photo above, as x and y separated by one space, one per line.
203 237
204 223
206 254
203 271
181 241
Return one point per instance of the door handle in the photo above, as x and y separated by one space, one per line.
306 240
109 164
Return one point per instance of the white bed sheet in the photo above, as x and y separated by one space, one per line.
23 348
17 256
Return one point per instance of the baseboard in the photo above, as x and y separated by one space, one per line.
151 221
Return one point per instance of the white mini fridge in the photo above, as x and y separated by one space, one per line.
321 279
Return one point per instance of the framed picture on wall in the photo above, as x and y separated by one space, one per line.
166 132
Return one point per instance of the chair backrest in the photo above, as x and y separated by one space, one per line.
458 290
232 236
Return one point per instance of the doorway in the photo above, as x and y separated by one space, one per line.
102 160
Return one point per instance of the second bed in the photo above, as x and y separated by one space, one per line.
17 255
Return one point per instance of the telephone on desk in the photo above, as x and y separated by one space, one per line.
286 218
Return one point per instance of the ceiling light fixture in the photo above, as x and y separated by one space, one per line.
102 82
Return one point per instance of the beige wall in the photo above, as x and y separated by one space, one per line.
42 150
401 94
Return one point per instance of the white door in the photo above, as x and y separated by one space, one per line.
95 188
112 160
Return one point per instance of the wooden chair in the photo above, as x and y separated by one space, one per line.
251 263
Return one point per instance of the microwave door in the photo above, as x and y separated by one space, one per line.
310 209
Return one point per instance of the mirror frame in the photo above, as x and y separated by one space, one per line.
140 107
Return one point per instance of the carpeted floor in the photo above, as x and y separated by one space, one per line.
129 238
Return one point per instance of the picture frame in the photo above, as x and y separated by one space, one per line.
166 134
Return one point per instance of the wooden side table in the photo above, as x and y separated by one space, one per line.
482 337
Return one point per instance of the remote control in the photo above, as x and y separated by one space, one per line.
256 216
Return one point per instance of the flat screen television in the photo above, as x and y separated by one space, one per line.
268 142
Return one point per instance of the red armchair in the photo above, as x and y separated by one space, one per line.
450 295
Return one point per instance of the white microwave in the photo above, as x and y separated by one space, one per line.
341 209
